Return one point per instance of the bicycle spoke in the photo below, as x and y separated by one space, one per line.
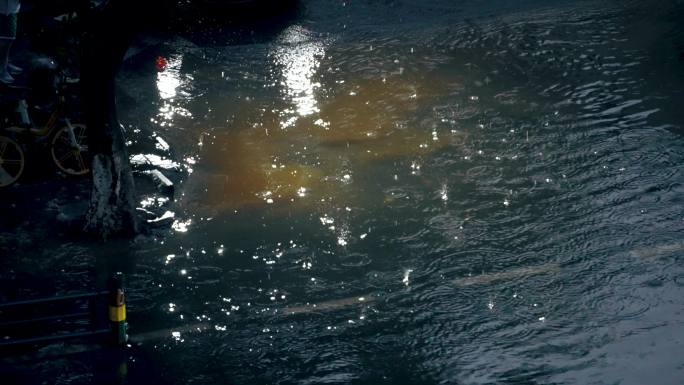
81 163
65 140
65 156
81 136
11 161
3 147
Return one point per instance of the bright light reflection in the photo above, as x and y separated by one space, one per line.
177 336
407 273
168 82
299 55
153 201
169 79
153 160
181 226
166 215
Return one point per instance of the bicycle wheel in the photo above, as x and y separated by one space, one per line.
11 161
69 157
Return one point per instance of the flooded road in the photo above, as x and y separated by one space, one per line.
415 192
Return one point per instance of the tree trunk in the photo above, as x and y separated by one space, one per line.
112 203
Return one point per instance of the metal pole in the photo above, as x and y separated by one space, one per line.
117 309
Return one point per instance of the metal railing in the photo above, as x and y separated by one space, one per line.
60 318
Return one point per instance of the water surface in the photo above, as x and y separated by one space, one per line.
416 192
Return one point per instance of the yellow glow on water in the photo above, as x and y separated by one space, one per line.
243 173
373 124
319 158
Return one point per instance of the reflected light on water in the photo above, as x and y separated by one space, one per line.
271 165
299 57
168 82
169 79
153 160
181 226
407 274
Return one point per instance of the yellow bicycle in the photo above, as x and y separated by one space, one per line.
66 142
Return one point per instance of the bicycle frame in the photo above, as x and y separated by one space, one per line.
72 136
52 122
65 142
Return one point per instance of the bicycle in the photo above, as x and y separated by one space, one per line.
66 141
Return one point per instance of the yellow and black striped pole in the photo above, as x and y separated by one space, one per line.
117 308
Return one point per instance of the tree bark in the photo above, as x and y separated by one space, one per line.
112 204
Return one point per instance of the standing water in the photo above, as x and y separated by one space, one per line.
414 192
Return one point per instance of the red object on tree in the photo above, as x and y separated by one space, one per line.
161 63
